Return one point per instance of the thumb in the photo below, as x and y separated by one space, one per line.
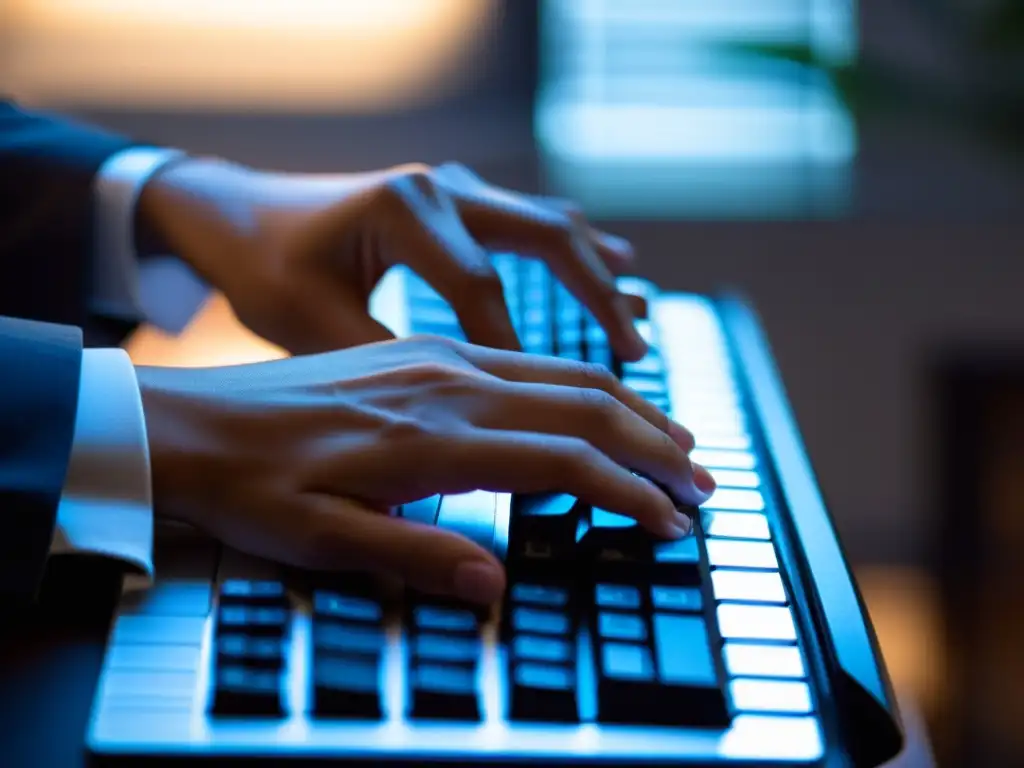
351 536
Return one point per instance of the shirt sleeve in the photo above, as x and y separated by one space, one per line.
160 290
106 505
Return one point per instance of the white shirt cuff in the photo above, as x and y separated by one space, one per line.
162 290
106 506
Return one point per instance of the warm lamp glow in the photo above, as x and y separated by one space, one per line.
214 337
279 54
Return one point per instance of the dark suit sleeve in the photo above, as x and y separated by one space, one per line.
47 167
41 365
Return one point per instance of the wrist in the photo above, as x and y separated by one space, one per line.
182 439
197 209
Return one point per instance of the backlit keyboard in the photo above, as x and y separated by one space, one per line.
742 643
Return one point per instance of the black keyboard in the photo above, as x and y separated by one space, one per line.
743 643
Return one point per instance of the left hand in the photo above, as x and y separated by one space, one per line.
298 256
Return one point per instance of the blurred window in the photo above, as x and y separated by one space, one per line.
697 107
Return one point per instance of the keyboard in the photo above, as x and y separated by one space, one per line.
743 643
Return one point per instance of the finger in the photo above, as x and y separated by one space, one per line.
525 462
540 369
605 423
435 243
616 252
637 305
555 232
572 258
344 535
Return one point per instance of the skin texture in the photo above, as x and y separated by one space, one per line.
303 460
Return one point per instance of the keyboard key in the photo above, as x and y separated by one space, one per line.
422 511
734 553
444 692
539 621
650 366
756 622
470 514
684 651
268 593
620 661
253 652
621 626
346 638
617 596
714 459
539 594
543 693
349 607
736 525
681 689
253 620
615 547
677 599
736 478
447 648
755 660
677 562
748 586
542 539
715 440
738 499
537 340
247 692
646 386
771 696
538 648
689 690
347 687
432 618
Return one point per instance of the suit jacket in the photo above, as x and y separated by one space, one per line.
47 167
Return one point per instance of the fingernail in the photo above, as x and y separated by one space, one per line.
478 582
703 480
683 522
673 531
682 436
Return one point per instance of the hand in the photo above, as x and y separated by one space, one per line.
301 460
297 256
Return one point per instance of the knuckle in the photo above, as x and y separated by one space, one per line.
574 458
432 342
572 210
426 373
598 402
403 182
596 376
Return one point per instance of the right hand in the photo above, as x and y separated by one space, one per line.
301 460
